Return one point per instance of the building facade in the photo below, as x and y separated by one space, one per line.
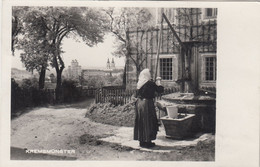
195 30
86 73
110 71
74 70
111 65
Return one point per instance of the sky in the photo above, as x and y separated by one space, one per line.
88 57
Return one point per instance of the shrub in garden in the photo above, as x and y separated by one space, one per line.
26 94
16 96
31 92
70 91
22 96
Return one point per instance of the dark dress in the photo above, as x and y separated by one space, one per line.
146 123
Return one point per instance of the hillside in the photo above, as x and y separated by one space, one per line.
18 74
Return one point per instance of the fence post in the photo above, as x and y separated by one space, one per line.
117 96
95 97
125 97
104 91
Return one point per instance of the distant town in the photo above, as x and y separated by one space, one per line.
83 76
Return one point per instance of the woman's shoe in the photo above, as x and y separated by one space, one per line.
142 144
150 144
146 144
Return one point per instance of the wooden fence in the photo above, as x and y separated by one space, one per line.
89 92
120 96
115 96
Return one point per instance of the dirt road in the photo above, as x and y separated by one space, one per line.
66 128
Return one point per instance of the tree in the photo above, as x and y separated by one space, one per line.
35 59
96 81
29 35
60 22
120 22
35 46
17 26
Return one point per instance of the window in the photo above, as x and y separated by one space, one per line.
210 13
166 66
210 68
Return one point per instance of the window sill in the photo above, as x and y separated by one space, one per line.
209 18
168 81
208 81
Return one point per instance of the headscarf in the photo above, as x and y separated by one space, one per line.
143 78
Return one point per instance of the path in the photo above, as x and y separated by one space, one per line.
52 128
68 129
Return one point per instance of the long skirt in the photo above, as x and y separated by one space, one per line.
146 123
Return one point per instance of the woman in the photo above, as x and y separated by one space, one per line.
146 123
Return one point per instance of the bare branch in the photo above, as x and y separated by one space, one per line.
111 26
133 60
142 61
119 36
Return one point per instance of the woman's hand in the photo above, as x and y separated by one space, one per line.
133 99
158 81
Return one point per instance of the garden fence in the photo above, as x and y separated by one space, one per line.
89 92
121 96
23 98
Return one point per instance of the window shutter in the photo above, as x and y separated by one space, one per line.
175 68
203 69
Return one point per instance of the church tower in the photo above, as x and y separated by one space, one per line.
113 64
108 64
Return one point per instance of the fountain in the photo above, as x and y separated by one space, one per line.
197 106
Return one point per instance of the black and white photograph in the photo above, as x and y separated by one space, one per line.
134 83
114 83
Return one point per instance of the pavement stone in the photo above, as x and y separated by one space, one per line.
124 137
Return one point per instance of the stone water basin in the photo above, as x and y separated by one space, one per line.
203 106
178 128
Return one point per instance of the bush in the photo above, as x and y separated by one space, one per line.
28 84
22 96
27 95
70 90
16 95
